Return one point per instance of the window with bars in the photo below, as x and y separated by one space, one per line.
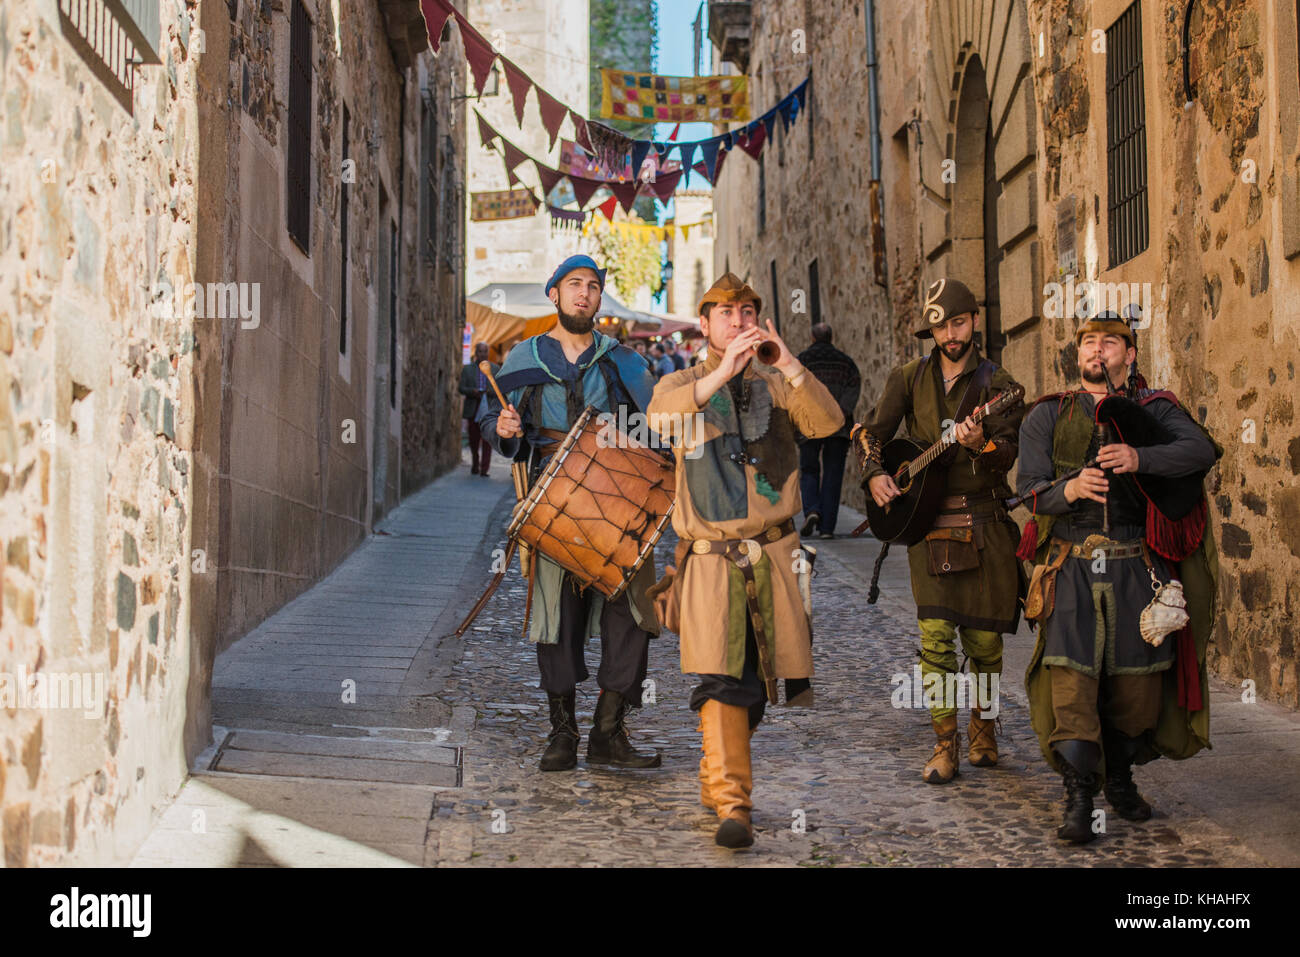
298 158
1126 138
343 241
428 187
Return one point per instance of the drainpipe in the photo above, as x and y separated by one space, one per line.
875 198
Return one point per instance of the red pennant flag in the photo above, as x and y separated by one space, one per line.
514 155
753 144
485 132
584 189
607 207
436 14
479 53
625 193
672 137
580 132
550 177
519 84
512 178
666 184
553 113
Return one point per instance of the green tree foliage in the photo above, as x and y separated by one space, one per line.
632 259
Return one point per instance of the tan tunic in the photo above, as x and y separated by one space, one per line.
720 498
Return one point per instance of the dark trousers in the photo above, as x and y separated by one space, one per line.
745 692
821 466
624 648
479 447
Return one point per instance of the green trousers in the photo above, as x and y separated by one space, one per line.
939 656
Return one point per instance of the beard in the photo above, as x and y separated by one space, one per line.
1094 373
577 325
956 351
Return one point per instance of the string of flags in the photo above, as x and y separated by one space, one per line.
608 146
652 98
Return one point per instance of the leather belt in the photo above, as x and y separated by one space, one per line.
962 502
1109 548
554 434
700 546
966 519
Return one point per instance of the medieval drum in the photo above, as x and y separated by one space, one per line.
599 507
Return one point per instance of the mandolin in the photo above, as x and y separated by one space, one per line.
909 517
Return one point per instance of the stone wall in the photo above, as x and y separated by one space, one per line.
96 438
1000 105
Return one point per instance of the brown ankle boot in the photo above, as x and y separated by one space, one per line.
726 766
942 766
983 751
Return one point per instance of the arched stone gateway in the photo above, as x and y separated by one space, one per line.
978 188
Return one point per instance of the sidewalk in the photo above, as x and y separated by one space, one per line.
436 761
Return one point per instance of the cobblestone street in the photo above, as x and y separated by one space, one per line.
836 784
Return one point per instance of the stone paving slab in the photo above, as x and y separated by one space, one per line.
837 784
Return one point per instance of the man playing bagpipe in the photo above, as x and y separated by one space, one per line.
1113 473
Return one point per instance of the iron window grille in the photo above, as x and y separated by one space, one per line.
298 165
1126 138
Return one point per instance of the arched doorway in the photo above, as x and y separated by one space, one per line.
976 250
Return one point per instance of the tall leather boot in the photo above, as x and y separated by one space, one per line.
983 750
562 745
608 744
943 764
1121 793
729 780
1079 771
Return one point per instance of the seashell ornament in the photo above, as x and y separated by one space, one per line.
1166 614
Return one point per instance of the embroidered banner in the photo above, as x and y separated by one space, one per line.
502 204
651 98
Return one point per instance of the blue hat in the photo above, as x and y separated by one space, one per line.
569 265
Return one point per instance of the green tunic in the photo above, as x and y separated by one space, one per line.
985 597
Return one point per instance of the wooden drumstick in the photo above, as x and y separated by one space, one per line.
486 368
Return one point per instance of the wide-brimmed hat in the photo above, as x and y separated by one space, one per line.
944 299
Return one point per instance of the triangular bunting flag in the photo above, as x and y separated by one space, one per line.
665 185
436 14
580 132
485 132
709 150
479 53
753 142
512 178
686 233
686 151
550 177
626 194
785 109
640 148
607 207
672 137
584 189
514 155
769 122
553 113
519 84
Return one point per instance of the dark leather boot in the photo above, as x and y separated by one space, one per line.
1121 793
562 746
608 744
1079 770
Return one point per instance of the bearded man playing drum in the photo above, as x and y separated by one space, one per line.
736 599
548 381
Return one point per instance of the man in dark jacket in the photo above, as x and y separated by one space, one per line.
821 461
473 383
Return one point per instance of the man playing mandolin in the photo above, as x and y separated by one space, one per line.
965 574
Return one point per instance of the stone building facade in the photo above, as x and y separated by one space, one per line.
1008 156
692 254
175 459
